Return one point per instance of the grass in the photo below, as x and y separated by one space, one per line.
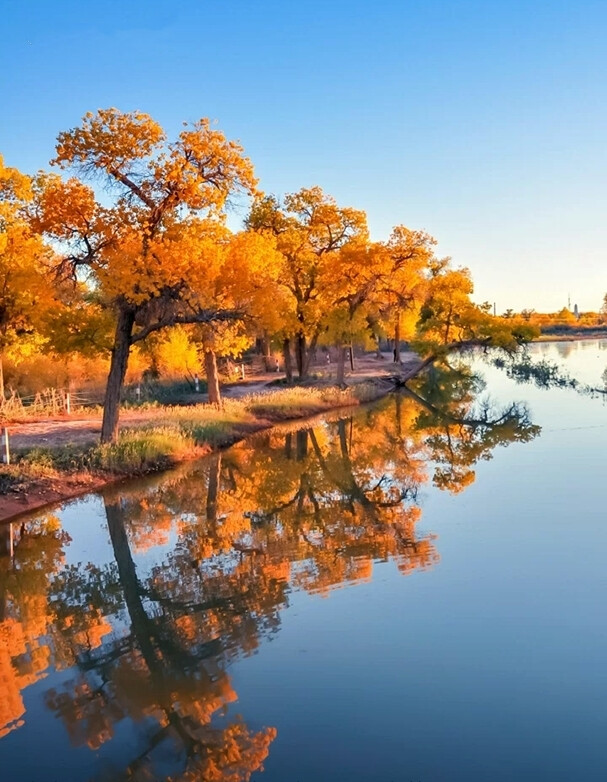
135 452
300 401
143 451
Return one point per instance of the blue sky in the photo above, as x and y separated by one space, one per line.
484 123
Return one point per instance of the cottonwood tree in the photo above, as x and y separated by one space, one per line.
310 229
450 321
409 254
25 294
376 282
354 277
154 244
246 284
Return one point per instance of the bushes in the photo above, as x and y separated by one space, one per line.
136 452
139 451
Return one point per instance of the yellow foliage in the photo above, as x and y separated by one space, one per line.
26 293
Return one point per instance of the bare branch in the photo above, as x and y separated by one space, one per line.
198 316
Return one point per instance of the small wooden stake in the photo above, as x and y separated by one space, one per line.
6 452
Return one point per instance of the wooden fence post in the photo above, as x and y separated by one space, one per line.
6 451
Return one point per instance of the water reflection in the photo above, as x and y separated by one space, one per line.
204 560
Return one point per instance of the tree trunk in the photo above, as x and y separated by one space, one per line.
399 418
141 624
213 490
351 358
341 365
378 347
304 354
343 440
210 365
267 357
2 377
115 381
286 352
301 444
6 540
397 339
300 355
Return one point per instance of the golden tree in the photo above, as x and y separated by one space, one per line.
154 245
310 229
449 321
409 255
25 293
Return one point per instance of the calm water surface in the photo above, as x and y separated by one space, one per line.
393 595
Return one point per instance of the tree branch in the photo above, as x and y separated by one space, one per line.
199 316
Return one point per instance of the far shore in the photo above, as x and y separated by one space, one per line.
573 334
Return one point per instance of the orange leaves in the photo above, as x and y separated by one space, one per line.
15 187
204 167
310 231
157 252
162 233
25 293
252 265
109 140
64 209
200 170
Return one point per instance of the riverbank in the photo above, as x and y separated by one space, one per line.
571 333
67 462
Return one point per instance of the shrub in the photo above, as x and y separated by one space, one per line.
143 450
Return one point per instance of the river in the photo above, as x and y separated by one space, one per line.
414 591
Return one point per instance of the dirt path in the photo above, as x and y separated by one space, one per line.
83 430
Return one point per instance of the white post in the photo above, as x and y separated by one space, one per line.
196 384
6 452
242 371
68 403
138 393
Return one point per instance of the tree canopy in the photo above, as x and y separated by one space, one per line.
132 240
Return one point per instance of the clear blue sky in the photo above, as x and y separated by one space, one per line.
482 122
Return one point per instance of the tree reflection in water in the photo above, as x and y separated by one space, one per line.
294 508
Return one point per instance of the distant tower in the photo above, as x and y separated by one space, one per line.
576 312
569 301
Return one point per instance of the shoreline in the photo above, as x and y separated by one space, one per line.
44 492
575 336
